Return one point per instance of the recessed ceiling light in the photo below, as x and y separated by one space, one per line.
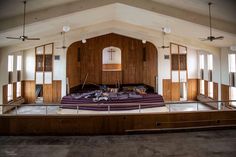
144 41
66 28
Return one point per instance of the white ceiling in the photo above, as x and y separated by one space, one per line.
115 12
221 9
9 8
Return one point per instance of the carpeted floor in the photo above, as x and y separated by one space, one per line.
218 143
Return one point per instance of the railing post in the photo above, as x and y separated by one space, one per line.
108 108
46 109
77 109
197 106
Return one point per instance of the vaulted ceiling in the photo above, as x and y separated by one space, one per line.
187 18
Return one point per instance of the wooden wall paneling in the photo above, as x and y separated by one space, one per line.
167 89
72 61
113 124
215 91
111 77
150 65
198 86
192 89
56 91
91 60
206 88
175 91
4 94
14 91
224 92
29 91
47 93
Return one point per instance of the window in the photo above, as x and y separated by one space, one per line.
18 89
202 82
233 95
202 87
232 66
10 63
210 62
9 92
111 59
18 68
210 68
232 79
210 89
201 61
10 71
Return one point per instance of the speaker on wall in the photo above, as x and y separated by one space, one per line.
78 55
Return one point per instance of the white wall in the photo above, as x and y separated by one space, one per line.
192 63
163 68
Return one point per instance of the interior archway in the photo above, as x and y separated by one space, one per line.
84 61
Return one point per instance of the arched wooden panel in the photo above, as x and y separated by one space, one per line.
139 61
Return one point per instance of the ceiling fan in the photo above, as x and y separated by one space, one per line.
211 38
63 41
23 37
163 40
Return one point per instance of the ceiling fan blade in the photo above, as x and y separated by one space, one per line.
164 47
204 39
63 47
13 38
32 38
219 38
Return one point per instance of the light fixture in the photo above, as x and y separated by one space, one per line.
166 29
144 41
233 48
84 41
66 28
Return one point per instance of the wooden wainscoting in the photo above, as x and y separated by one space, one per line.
215 91
166 89
224 92
192 89
47 93
175 91
56 91
51 92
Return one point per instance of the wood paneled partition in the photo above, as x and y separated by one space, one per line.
139 61
224 92
29 91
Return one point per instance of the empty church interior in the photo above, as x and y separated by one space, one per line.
83 67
